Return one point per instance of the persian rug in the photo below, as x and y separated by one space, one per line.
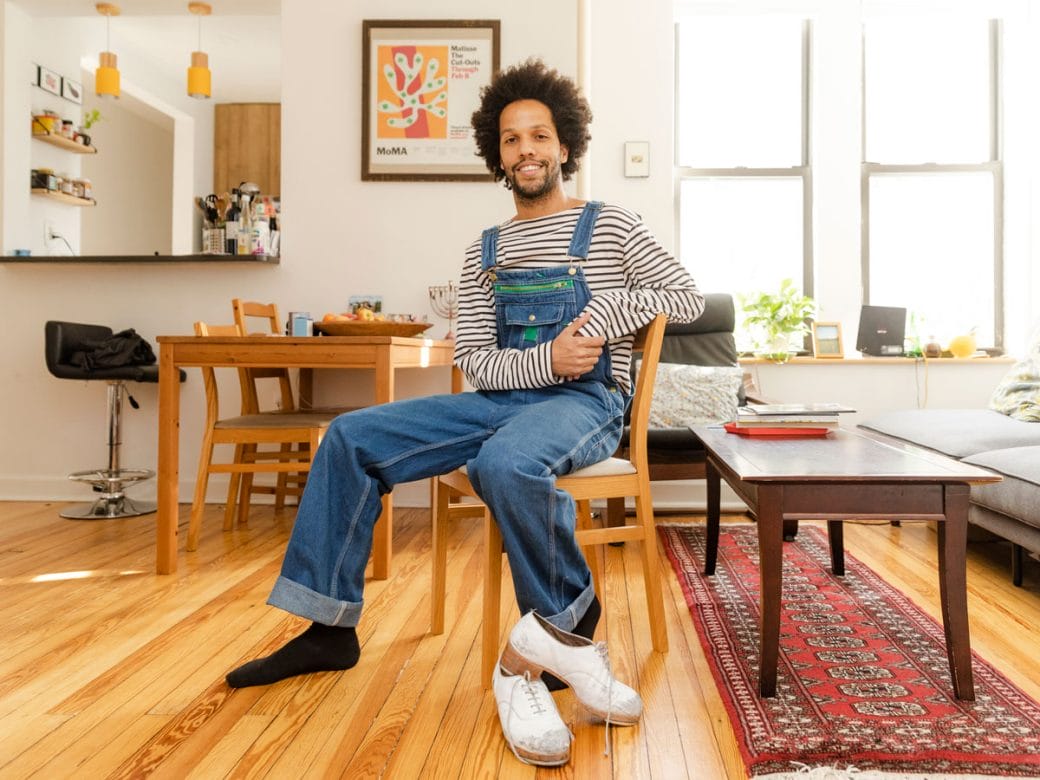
863 684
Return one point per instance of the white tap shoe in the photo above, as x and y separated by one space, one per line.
530 721
535 645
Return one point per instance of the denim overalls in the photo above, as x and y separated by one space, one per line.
532 307
514 444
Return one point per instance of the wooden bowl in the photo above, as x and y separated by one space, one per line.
371 328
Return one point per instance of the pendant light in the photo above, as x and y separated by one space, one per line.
199 73
106 77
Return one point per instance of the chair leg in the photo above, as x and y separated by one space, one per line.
281 483
440 504
651 570
245 494
492 597
198 503
234 482
615 513
592 551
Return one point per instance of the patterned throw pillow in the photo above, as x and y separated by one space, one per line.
687 395
1018 394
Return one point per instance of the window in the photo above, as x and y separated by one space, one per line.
932 173
742 148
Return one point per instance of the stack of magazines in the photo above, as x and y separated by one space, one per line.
814 419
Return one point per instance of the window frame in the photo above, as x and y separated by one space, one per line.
994 166
802 171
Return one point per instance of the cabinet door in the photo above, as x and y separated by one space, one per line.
247 146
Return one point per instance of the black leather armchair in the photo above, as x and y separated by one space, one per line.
675 453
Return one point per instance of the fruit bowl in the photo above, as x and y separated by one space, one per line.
371 328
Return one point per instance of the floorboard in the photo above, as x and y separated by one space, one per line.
109 671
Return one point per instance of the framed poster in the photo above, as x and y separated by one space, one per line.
50 81
71 90
826 340
421 83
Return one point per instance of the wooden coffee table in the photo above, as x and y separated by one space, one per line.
847 475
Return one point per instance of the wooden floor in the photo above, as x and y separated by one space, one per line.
108 670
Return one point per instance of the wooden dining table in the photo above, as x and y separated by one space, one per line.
381 354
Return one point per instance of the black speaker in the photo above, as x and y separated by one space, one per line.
881 330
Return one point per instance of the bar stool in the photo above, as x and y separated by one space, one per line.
62 341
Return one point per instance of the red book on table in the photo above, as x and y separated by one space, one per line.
765 431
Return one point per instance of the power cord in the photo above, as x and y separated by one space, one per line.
51 235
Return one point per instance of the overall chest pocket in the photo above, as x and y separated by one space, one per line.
528 324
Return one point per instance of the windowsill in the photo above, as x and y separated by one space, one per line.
888 361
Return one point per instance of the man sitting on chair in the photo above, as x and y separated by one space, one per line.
548 304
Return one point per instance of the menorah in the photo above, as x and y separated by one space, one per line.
444 298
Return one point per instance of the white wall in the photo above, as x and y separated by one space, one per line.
133 211
344 236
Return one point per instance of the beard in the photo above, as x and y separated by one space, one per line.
535 190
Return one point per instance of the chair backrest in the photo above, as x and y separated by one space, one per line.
209 378
648 340
708 340
268 312
270 323
61 339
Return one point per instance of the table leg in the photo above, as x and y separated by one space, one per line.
714 497
836 537
383 533
168 466
770 567
953 588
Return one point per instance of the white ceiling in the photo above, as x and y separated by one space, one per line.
241 37
149 7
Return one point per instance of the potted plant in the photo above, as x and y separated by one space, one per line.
775 320
90 118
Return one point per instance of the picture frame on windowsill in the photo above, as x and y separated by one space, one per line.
826 339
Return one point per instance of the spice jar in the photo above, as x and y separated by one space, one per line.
82 188
44 179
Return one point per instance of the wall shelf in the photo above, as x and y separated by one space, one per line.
141 259
64 143
63 197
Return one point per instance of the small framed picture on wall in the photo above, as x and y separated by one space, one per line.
71 90
826 340
50 81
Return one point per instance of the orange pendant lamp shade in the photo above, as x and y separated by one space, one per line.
199 76
106 77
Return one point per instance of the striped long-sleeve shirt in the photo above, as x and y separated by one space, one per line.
631 277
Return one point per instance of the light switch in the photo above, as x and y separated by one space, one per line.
637 158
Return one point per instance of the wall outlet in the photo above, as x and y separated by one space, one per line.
49 232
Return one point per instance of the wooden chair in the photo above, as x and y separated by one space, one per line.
675 453
242 485
246 431
255 318
613 478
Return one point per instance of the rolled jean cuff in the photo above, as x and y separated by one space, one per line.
568 618
300 600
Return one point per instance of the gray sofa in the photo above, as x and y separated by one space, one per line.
994 441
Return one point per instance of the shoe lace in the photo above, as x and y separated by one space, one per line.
601 649
537 704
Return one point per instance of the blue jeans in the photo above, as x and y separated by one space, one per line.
514 444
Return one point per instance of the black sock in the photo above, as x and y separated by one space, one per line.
320 648
586 627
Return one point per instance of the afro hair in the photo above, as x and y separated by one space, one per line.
532 80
